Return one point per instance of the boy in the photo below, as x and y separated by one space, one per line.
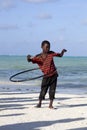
46 64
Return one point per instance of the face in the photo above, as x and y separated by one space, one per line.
46 48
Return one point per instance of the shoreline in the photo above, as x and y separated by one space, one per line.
25 88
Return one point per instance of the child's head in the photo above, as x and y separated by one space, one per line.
45 45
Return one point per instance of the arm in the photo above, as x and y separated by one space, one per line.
59 54
62 53
29 58
33 59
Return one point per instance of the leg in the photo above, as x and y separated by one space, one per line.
52 90
39 104
44 88
51 104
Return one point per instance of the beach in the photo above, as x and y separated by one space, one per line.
18 112
43 46
18 100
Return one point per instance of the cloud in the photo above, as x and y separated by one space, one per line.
63 29
39 1
84 22
8 27
7 4
31 25
44 16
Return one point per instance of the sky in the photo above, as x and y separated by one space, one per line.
24 24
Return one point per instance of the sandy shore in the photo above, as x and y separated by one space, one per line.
18 112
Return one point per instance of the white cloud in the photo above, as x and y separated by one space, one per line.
63 29
6 4
35 1
84 22
31 24
44 16
38 1
8 27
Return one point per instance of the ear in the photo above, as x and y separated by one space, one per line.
41 46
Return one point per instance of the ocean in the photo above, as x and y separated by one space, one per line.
72 72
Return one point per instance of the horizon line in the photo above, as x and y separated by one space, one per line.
26 55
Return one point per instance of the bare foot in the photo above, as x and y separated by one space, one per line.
38 106
51 107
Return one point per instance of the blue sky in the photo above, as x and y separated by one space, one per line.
24 24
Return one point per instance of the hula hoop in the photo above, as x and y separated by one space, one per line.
26 79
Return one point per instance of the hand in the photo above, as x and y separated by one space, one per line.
64 50
29 58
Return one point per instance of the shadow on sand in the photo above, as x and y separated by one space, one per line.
37 125
83 128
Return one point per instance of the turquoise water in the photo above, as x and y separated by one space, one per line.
72 70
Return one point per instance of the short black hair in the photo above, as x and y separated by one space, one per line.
45 42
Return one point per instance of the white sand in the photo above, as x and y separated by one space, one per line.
17 112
